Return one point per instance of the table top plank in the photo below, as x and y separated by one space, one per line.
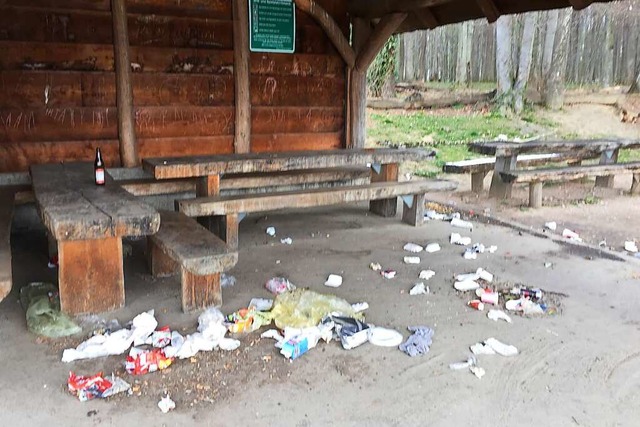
190 167
72 207
580 147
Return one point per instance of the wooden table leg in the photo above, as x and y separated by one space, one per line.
229 226
477 181
635 184
385 207
607 158
500 189
207 186
414 214
535 194
200 292
90 275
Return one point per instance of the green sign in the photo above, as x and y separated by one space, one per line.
272 26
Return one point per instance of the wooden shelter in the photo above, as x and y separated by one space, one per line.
149 78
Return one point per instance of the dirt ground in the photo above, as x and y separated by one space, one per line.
581 367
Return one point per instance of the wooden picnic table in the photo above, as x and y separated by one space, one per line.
88 223
506 154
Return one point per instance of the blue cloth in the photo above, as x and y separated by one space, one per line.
419 342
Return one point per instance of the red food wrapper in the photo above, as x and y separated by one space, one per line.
88 388
161 337
140 362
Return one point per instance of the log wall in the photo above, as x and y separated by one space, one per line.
57 82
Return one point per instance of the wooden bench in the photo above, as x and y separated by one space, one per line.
6 213
184 246
230 207
535 178
479 168
87 223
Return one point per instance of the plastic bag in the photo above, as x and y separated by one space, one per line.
302 308
141 362
96 386
42 305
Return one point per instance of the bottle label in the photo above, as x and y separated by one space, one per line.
99 176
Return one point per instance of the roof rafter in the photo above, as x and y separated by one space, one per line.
380 8
489 9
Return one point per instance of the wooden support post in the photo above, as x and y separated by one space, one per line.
607 158
160 264
207 186
635 184
200 292
124 93
229 228
414 215
357 90
90 275
500 189
242 140
385 207
477 181
489 9
52 245
535 194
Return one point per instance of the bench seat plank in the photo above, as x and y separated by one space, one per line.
186 167
223 205
486 164
568 173
192 245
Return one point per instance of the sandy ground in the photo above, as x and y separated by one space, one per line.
579 368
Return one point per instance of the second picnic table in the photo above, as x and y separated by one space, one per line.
506 154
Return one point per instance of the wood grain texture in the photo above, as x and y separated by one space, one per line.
414 214
72 207
607 158
166 168
193 246
569 173
296 91
499 188
90 275
160 264
535 194
224 205
385 207
579 148
273 120
241 75
282 142
635 184
6 214
200 292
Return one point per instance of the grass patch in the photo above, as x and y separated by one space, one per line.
628 155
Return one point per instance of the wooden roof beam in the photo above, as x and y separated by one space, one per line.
427 18
330 27
380 8
381 33
489 9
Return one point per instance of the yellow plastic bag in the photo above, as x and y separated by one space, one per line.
302 308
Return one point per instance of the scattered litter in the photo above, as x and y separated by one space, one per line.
524 305
470 254
384 337
419 289
42 305
271 231
333 281
426 274
481 349
458 366
113 343
479 274
227 280
278 285
352 332
602 243
457 239
412 247
166 404
360 306
477 371
375 266
286 241
388 274
571 235
96 386
630 246
501 348
431 214
466 285
261 304
496 315
432 247
295 347
457 222
492 249
242 321
476 304
530 293
140 362
418 343
551 225
412 260
302 308
272 333
548 264
487 296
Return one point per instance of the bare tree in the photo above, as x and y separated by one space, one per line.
463 63
607 57
504 63
524 63
554 78
635 86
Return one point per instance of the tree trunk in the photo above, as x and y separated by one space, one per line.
607 57
504 64
635 85
547 49
524 64
463 63
554 93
